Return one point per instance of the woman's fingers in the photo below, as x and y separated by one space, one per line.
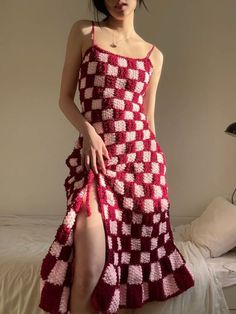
101 161
94 161
82 159
91 154
106 152
87 161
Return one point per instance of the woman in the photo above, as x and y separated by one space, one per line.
114 250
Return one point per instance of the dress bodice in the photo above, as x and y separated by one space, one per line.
110 80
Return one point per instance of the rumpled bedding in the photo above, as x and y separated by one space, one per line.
24 241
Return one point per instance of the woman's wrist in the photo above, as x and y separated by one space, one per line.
87 127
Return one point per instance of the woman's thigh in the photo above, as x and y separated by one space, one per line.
89 240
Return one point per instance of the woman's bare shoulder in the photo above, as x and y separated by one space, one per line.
82 26
156 50
156 55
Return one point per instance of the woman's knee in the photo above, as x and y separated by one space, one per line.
85 280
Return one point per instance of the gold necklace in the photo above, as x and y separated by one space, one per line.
113 44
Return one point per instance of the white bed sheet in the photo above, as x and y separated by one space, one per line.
224 266
24 241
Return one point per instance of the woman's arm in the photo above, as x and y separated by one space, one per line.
150 93
93 146
69 78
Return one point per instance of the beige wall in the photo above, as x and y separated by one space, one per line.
195 100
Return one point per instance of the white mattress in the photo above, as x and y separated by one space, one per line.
24 241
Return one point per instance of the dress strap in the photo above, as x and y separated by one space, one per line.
150 51
93 37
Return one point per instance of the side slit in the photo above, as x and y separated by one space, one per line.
100 202
87 188
90 178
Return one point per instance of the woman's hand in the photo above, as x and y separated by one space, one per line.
93 148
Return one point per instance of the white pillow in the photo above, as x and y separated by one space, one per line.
215 229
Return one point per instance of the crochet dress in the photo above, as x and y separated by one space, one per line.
142 263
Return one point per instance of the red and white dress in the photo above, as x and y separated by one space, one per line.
142 262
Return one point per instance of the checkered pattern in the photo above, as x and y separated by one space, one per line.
143 264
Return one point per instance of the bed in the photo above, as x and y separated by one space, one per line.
223 267
25 240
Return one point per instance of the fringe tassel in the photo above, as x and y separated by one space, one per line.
90 179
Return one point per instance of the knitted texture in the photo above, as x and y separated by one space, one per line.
142 262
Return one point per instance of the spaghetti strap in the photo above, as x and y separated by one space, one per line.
150 51
93 39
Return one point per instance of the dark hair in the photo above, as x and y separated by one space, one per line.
100 7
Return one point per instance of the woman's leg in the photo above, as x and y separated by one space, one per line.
90 249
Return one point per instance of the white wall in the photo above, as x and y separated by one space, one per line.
195 100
